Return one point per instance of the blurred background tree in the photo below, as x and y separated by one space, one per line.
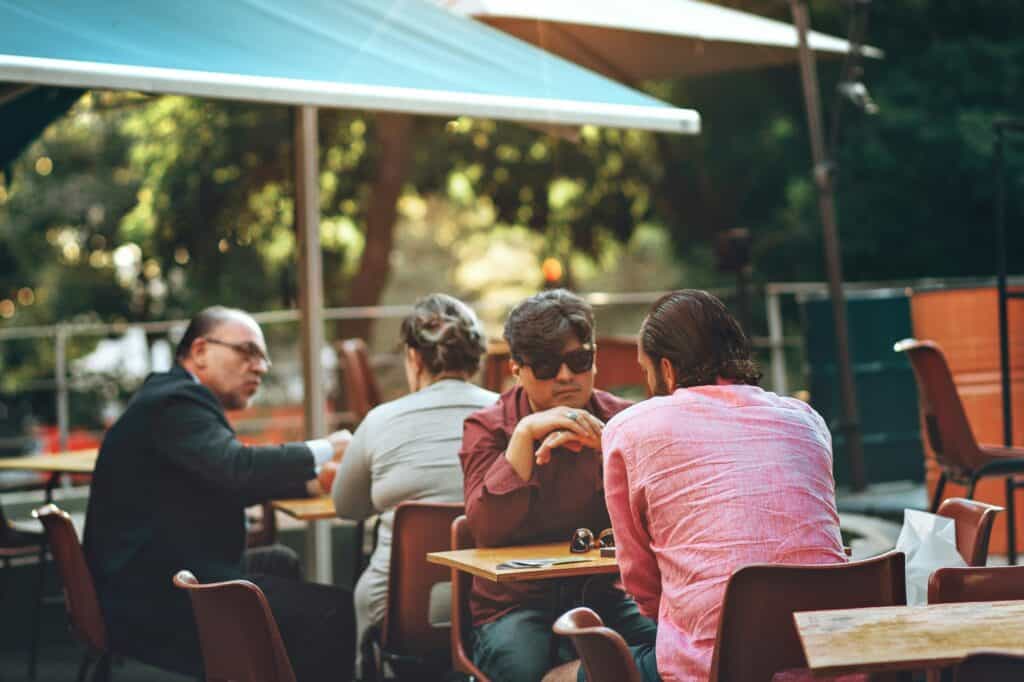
138 208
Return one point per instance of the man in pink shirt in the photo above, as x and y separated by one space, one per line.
710 474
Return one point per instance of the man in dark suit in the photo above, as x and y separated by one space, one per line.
169 492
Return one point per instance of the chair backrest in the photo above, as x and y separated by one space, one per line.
361 391
990 667
419 528
976 583
973 527
616 363
81 601
603 652
462 620
237 632
756 633
945 422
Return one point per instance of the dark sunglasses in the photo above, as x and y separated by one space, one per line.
578 361
251 351
583 540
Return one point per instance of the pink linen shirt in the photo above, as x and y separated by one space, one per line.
703 482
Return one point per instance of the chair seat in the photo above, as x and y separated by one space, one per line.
1001 451
999 462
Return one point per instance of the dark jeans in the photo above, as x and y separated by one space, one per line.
317 623
520 647
646 663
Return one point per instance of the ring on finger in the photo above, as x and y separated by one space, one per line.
571 415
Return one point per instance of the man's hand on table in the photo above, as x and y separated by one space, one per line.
313 487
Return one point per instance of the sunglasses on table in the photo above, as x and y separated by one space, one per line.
578 361
583 540
251 351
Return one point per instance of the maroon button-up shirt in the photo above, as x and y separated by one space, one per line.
502 509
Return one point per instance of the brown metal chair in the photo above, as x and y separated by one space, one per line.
81 601
973 527
362 393
757 637
949 434
602 651
976 583
237 632
16 543
411 646
990 667
462 621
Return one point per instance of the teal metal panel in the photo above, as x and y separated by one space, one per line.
886 392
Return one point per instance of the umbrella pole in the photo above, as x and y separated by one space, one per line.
823 179
311 313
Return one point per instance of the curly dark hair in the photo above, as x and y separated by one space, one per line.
702 340
542 324
446 333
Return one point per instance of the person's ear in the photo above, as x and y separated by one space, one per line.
415 359
668 373
198 352
514 368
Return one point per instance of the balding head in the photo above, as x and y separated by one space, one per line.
224 348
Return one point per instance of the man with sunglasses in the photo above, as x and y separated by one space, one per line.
169 491
711 474
532 473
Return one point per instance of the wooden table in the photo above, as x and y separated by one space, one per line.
483 562
907 637
73 462
307 508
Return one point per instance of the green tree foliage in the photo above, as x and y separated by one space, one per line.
154 207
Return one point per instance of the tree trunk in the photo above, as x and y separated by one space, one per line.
392 132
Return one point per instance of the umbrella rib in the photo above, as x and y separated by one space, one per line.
602 63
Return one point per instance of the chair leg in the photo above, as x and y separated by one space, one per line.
970 490
4 577
937 497
83 667
1011 521
33 651
101 673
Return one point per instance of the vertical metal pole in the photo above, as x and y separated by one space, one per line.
777 341
311 307
849 425
1004 341
60 375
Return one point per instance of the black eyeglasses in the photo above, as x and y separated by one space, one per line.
251 351
583 540
578 361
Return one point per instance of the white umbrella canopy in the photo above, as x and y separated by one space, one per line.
651 39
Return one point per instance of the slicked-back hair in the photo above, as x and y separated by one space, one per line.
446 333
202 324
702 340
542 324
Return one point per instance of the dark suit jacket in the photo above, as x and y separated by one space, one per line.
169 492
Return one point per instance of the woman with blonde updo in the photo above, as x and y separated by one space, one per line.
408 449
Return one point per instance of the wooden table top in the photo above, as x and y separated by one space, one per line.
73 462
307 508
484 562
907 637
